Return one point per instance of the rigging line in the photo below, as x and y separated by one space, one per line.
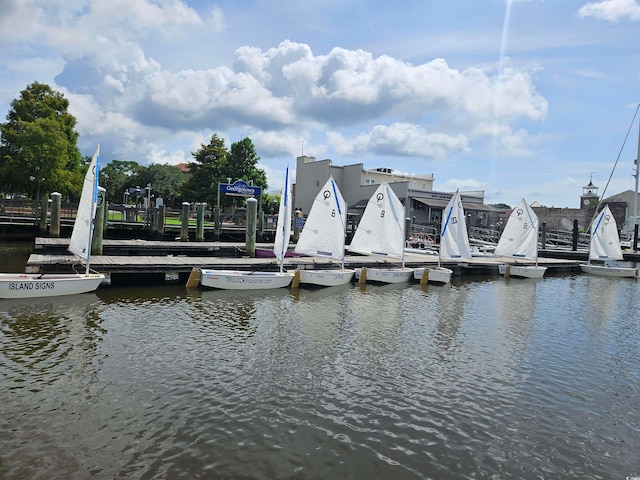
621 148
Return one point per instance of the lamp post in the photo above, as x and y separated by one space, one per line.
37 180
125 197
147 210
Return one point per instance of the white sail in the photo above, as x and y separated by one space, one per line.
454 239
283 227
520 236
381 229
324 230
80 242
605 241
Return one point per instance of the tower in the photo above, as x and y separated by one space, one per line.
589 197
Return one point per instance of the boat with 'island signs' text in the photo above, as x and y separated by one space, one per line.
37 285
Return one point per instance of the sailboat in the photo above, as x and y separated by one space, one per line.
259 280
604 246
454 244
519 240
36 285
381 231
323 235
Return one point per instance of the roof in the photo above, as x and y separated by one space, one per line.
430 202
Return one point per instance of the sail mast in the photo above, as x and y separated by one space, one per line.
94 202
635 197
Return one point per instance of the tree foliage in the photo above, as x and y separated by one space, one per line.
116 177
165 181
119 176
243 164
38 145
501 206
205 172
215 164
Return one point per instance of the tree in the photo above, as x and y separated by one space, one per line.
209 167
243 164
165 181
118 176
38 145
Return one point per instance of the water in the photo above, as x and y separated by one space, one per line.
484 378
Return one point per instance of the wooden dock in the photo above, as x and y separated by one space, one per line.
126 261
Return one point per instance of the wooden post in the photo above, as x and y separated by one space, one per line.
217 227
295 283
424 279
250 235
162 209
543 241
56 201
407 229
200 223
574 237
44 207
260 232
363 276
98 223
194 278
184 229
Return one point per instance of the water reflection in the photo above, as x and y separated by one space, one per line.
48 334
348 382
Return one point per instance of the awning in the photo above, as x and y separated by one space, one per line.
441 204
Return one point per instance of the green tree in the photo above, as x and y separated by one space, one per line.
243 164
165 181
209 167
38 145
118 176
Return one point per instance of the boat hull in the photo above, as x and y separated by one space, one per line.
385 275
435 275
326 278
240 280
522 271
20 285
609 271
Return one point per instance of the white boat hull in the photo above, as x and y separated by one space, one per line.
522 271
240 280
421 251
608 271
435 275
386 275
326 278
25 285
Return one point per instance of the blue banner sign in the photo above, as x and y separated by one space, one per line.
240 187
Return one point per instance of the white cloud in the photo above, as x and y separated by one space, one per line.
398 139
611 10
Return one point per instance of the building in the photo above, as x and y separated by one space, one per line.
621 206
422 205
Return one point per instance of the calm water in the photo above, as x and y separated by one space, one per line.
480 379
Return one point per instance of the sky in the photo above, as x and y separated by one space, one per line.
521 98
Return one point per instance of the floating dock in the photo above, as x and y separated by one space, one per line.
126 261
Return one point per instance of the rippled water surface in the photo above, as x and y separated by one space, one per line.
480 379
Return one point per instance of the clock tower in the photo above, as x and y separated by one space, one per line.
589 197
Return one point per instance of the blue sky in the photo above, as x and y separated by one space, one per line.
516 98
